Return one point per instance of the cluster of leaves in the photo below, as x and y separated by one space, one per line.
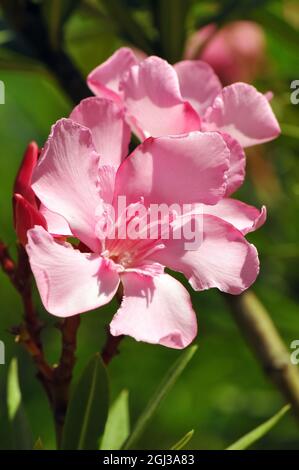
91 424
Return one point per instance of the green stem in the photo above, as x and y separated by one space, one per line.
265 342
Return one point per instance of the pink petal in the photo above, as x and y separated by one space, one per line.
237 164
156 310
26 216
178 169
242 216
65 179
110 133
269 95
104 79
244 113
57 225
153 100
198 39
198 83
69 282
106 179
224 259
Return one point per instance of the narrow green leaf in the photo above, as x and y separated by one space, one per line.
184 441
56 12
88 408
117 427
289 130
38 444
128 27
55 15
13 390
171 19
20 428
168 382
257 433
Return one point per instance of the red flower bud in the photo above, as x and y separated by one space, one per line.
23 180
26 216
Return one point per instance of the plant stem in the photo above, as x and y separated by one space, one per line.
267 345
62 374
28 333
110 348
56 380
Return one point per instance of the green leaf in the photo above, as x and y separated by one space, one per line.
171 19
20 428
56 13
290 130
277 25
184 441
88 408
38 444
13 390
168 382
257 433
117 427
128 27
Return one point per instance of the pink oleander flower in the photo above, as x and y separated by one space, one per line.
82 171
236 52
159 99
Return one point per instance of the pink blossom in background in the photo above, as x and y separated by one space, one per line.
82 169
236 52
159 99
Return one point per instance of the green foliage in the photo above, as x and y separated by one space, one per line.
127 25
56 13
161 392
257 433
171 22
20 428
38 445
88 408
117 427
181 444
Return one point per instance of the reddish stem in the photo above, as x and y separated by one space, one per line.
56 380
111 347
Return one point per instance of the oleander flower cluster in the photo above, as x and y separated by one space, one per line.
192 133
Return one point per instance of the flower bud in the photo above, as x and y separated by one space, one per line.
25 204
26 216
236 52
23 180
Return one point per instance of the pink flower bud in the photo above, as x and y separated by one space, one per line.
23 180
25 203
26 216
236 52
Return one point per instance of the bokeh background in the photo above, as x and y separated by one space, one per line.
223 392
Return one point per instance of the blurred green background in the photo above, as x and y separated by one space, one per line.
223 393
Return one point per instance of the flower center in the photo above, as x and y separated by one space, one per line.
125 259
134 236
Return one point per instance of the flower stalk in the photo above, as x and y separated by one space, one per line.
265 342
56 380
111 347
